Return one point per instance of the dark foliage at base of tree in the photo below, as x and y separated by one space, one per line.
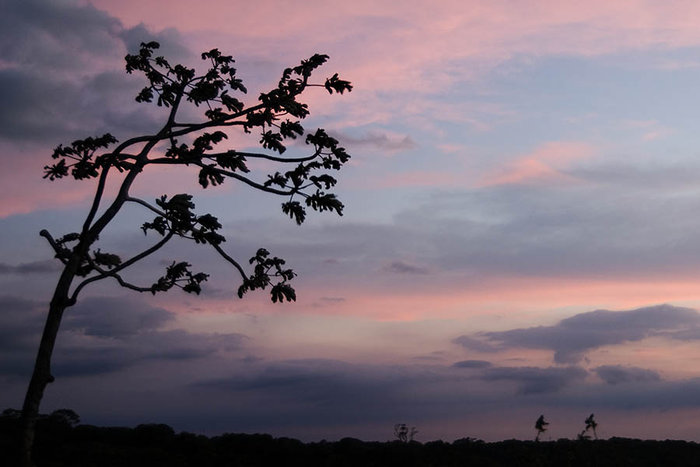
60 443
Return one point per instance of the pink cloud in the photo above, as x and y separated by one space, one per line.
483 299
417 46
543 165
382 48
652 129
422 178
26 191
412 53
15 202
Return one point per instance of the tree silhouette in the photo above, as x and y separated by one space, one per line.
540 426
591 424
403 434
277 115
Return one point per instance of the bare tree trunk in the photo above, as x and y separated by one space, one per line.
42 376
42 367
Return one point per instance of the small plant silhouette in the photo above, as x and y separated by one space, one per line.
591 424
403 433
540 426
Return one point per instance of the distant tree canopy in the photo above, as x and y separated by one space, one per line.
304 181
158 445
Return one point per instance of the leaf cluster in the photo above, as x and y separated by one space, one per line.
179 219
66 246
78 159
304 181
170 83
178 274
267 268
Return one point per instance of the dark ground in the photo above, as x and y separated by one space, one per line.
62 442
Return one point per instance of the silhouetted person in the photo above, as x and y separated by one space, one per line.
540 426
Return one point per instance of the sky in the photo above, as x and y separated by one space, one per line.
521 232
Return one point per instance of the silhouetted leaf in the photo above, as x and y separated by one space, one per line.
58 170
231 103
209 174
295 211
290 129
276 179
233 161
321 201
326 180
282 291
338 85
271 140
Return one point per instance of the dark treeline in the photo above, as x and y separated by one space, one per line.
61 441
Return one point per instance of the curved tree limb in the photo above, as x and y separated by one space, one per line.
146 204
113 272
227 173
255 155
230 260
45 233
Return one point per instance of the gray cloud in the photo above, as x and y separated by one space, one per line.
616 374
664 395
572 230
327 301
102 335
576 231
476 344
336 389
83 357
34 267
63 72
115 317
307 398
179 344
332 299
473 364
400 267
171 42
55 34
377 140
86 361
316 390
634 177
571 338
20 321
532 380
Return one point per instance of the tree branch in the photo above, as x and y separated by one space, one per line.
169 161
130 142
96 200
45 233
174 109
230 260
113 272
255 155
147 205
247 181
228 121
131 286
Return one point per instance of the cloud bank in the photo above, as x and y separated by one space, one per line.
573 337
